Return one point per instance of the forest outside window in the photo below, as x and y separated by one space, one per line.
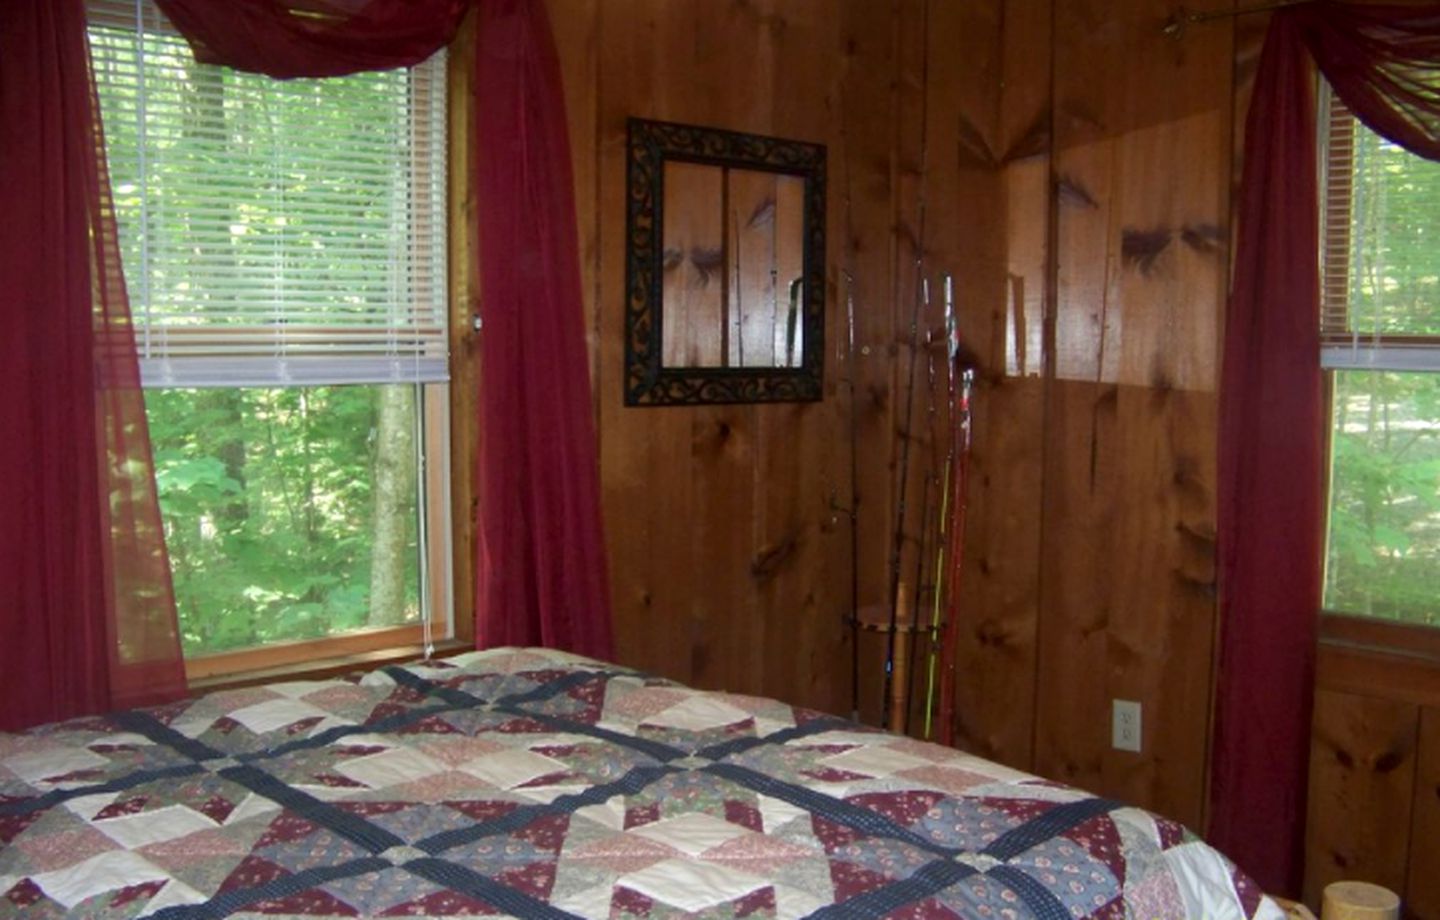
1380 330
284 250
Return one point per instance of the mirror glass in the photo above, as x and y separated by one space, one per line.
732 267
725 267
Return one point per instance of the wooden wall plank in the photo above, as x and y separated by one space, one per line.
725 550
645 485
1127 566
800 558
864 220
1422 887
1362 777
1348 835
724 619
1003 171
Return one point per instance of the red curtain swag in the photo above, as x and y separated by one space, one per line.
315 38
1383 62
89 623
540 560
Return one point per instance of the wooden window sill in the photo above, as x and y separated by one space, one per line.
1379 659
321 668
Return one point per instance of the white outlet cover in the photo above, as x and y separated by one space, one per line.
1125 726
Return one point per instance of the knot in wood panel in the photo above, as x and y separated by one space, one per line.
771 559
1141 249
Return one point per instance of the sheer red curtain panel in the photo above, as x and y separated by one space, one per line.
89 621
1384 62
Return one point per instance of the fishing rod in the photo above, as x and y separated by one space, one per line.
957 551
914 609
851 367
898 545
927 516
952 342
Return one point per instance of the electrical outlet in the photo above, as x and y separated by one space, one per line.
1125 725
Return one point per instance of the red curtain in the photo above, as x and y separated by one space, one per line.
90 620
1272 462
541 568
541 555
315 38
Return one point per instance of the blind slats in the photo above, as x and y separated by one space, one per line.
1380 249
273 232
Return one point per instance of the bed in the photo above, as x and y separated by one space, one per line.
534 783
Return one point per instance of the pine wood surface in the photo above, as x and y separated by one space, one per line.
1140 187
728 568
1422 882
463 246
1002 182
1374 798
1362 781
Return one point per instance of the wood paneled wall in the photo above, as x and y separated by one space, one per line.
1073 167
1141 153
728 526
1375 766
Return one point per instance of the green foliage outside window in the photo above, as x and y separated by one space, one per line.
1384 554
270 514
1383 558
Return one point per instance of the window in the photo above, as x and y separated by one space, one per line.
1380 331
284 250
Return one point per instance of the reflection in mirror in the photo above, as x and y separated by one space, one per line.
732 267
725 266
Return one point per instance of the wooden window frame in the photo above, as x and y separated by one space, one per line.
447 546
1378 658
1359 654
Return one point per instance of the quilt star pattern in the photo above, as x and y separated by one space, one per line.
533 783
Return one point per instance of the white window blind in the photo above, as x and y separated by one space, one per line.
274 232
1380 252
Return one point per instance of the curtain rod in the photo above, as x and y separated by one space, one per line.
1176 24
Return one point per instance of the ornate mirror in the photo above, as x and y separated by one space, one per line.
725 267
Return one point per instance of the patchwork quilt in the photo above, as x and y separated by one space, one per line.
533 783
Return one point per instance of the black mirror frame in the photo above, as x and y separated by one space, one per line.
647 381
